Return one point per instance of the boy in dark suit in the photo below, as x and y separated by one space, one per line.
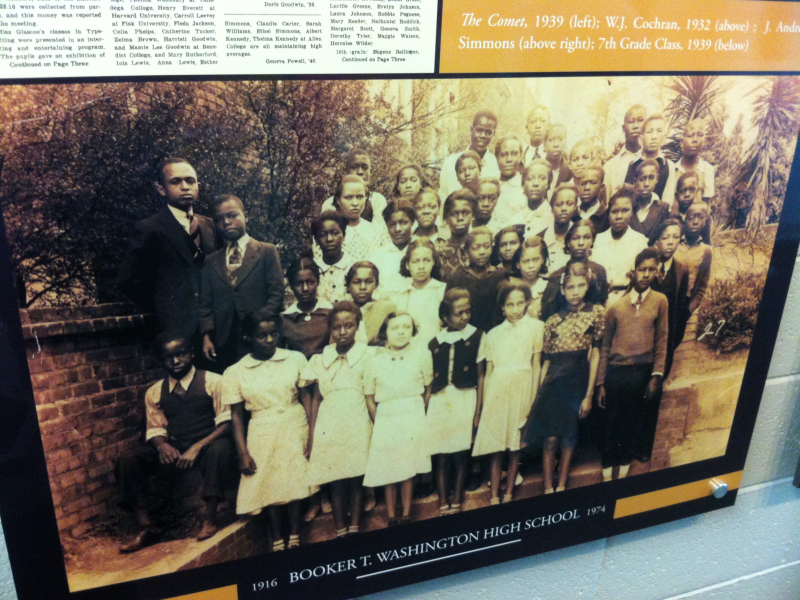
161 271
649 211
672 280
187 426
238 280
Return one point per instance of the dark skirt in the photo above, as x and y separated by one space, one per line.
555 412
630 424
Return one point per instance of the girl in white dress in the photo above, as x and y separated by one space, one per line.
341 427
397 383
424 291
512 351
269 383
457 391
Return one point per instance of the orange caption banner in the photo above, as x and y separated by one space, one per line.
226 593
634 505
510 36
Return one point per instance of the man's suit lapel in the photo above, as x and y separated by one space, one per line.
176 234
249 260
207 234
218 262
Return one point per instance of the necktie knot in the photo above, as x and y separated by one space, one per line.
178 390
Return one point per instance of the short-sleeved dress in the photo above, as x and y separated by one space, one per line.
399 448
507 392
343 428
568 338
451 411
278 429
423 306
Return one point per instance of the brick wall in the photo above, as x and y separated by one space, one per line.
90 367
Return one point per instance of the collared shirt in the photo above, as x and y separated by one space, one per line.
181 216
423 305
532 152
157 421
559 176
511 202
637 298
265 385
618 256
241 242
536 221
307 332
451 337
616 168
448 180
667 177
331 281
555 249
643 212
585 214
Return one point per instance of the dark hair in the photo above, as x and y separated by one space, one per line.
687 175
573 229
490 180
423 181
507 288
450 298
508 138
598 168
468 154
262 315
393 315
422 192
577 269
345 306
648 162
329 215
222 198
436 272
698 204
361 264
653 117
353 152
518 229
165 337
484 114
349 178
299 265
462 194
662 227
403 206
537 162
473 233
646 254
552 128
568 187
532 242
169 160
632 108
626 191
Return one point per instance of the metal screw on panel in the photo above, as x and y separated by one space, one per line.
718 487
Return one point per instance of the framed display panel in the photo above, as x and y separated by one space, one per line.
80 160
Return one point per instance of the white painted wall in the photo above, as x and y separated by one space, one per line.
746 552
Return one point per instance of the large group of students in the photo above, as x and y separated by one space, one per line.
432 335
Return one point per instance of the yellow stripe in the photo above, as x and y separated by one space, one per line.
675 495
226 593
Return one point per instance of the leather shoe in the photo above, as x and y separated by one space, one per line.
207 530
146 537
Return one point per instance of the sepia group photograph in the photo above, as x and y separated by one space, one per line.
261 315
